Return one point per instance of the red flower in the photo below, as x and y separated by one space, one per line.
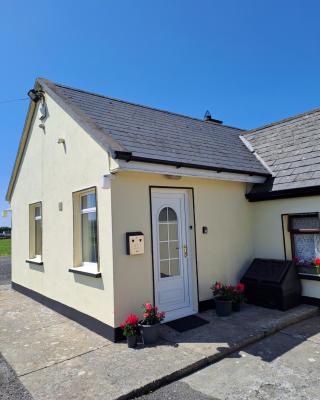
218 285
240 287
145 315
317 261
122 325
148 307
132 319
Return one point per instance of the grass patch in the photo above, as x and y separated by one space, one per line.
5 247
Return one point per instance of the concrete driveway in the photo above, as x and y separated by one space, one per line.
284 366
46 356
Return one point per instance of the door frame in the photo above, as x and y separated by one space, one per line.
194 266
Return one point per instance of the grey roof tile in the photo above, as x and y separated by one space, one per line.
161 135
291 148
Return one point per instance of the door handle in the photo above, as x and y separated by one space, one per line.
185 250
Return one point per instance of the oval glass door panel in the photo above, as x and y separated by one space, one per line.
168 243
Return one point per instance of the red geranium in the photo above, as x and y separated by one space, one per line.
317 261
130 325
238 293
222 291
132 319
148 306
240 287
151 315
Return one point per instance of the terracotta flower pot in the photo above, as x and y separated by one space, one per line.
132 341
149 333
223 307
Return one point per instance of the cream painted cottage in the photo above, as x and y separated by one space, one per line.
115 204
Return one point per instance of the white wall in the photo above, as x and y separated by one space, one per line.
50 173
223 254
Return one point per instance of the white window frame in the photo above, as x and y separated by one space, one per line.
32 231
89 265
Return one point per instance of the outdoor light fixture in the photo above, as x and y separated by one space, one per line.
35 95
106 181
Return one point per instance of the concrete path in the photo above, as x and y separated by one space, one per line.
284 366
54 357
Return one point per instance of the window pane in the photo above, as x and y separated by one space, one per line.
164 269
89 237
168 243
163 216
164 252
311 222
88 201
174 268
37 211
173 231
307 246
172 216
163 232
174 249
38 237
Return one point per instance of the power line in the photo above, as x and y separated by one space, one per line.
12 100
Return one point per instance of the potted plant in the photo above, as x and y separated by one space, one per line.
131 330
238 296
149 326
308 267
222 295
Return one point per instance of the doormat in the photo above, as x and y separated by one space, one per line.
187 323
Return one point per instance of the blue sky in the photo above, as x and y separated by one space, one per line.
249 62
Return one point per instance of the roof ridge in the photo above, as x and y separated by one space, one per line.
139 105
281 121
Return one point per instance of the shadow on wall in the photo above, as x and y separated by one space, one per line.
93 282
37 267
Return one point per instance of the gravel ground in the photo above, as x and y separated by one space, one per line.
10 386
177 391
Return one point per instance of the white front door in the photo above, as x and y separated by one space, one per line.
171 253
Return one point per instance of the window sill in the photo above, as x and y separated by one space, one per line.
310 277
85 270
37 261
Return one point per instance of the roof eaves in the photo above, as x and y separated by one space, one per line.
21 149
128 156
283 194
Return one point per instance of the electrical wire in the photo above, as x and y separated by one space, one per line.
13 100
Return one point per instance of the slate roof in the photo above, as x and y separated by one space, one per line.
291 149
160 135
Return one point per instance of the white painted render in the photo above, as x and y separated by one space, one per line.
50 173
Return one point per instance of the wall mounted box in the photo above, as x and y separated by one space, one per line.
135 243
